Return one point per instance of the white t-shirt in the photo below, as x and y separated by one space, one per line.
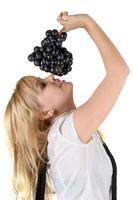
79 171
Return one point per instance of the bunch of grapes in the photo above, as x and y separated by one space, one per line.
51 56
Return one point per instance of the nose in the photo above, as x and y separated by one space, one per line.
51 78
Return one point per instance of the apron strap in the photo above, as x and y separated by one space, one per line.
114 165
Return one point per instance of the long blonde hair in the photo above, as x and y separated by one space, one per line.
26 137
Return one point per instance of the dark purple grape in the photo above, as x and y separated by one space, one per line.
51 65
44 60
69 68
52 70
52 62
31 57
60 56
55 62
61 74
47 62
41 49
53 47
68 55
64 69
37 62
43 43
58 62
64 61
64 49
47 69
61 62
44 54
53 52
63 36
58 44
48 48
36 49
38 55
48 33
52 40
49 57
71 59
66 72
62 66
57 51
70 62
67 60
63 39
47 41
42 66
60 70
58 39
56 69
55 32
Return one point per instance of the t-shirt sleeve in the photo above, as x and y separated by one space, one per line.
64 130
68 131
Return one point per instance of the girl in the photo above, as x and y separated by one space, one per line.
46 132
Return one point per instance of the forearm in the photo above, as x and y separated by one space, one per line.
112 59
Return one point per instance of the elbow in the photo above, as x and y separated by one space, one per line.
127 70
120 72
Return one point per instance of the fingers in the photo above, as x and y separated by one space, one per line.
63 16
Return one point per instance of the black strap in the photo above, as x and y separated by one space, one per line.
41 182
40 190
114 175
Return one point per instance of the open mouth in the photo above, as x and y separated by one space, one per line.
62 82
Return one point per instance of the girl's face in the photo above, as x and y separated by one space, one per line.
54 94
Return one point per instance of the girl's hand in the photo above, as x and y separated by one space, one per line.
71 22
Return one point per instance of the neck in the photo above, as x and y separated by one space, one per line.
65 109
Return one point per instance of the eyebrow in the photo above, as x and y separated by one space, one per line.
38 81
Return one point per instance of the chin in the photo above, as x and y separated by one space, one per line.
70 83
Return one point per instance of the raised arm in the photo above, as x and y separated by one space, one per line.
90 115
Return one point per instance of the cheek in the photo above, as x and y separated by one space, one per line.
54 95
58 94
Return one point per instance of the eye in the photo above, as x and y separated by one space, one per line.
42 84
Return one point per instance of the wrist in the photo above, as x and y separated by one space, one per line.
88 21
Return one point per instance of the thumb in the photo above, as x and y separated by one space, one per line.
65 15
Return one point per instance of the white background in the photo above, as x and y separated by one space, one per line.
23 25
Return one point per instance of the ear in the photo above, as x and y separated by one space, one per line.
47 114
